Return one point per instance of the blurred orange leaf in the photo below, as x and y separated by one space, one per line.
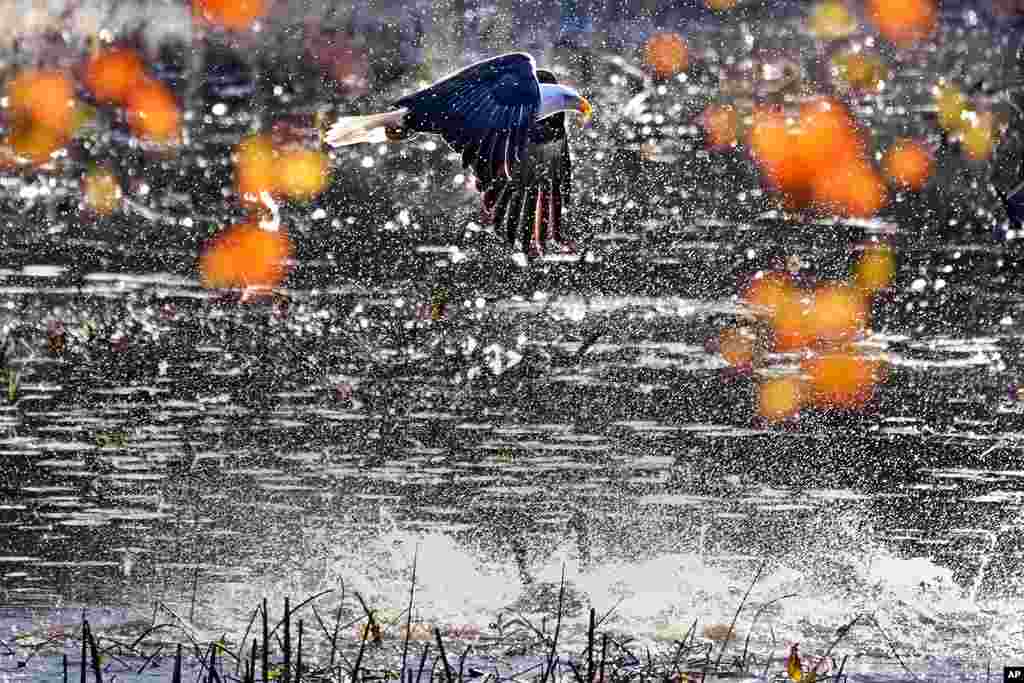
112 74
153 111
908 164
837 313
736 347
875 268
236 15
831 19
721 124
255 167
667 53
842 379
903 22
45 97
245 255
303 172
780 398
101 191
855 191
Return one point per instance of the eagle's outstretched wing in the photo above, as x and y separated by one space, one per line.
484 112
527 208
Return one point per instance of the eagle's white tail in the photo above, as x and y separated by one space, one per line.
351 130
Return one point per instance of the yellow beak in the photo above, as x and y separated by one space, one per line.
585 109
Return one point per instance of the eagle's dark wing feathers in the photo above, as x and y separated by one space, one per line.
527 207
484 112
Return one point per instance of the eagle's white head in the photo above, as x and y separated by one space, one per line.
555 98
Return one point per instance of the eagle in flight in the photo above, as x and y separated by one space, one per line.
506 118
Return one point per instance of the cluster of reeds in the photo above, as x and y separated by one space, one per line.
294 648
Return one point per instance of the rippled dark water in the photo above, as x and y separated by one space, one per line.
568 411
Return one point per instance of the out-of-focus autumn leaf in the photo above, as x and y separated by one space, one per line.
875 268
827 138
859 70
101 191
821 161
780 398
291 170
153 112
112 74
791 326
721 125
736 346
978 135
837 313
303 173
255 167
786 310
33 141
769 292
831 20
842 379
773 144
245 255
951 104
44 97
904 22
854 191
235 15
667 53
908 164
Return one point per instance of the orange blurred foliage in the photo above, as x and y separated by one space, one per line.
112 74
153 112
855 191
952 105
822 160
875 268
34 142
721 124
44 97
245 255
860 70
831 19
786 309
667 54
842 379
303 173
295 172
827 136
720 5
736 347
769 292
908 164
235 15
837 313
903 22
978 136
255 167
773 144
780 398
791 326
101 191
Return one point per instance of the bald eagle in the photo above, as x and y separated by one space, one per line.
506 118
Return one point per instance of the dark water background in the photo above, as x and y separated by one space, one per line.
569 411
